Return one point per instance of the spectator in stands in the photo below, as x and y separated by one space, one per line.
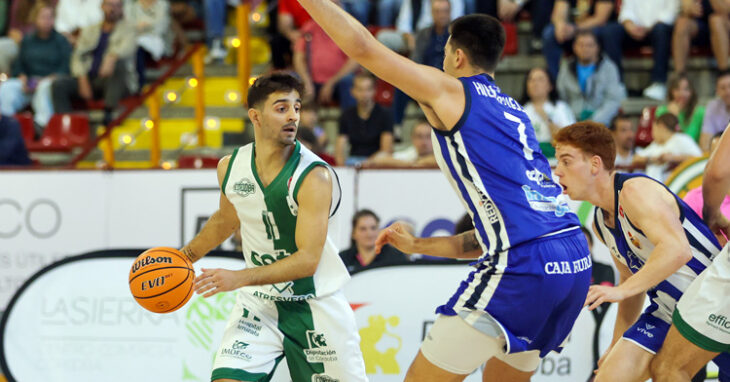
418 154
590 82
290 17
309 140
387 11
692 27
717 113
648 22
567 19
415 15
428 49
309 119
719 22
325 70
624 134
361 254
99 63
547 113
367 127
694 196
154 37
669 148
74 15
682 102
215 24
540 15
12 146
19 24
44 54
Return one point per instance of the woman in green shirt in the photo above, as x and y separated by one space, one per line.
682 102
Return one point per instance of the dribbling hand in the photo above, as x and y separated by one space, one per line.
213 281
397 236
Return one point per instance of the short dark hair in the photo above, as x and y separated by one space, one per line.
364 75
361 214
589 33
619 117
481 37
669 121
552 96
272 83
592 138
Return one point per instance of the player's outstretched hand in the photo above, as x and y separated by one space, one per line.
212 281
598 294
396 235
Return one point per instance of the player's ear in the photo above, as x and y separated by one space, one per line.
596 164
254 116
460 57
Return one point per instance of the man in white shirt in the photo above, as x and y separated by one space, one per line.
649 22
669 148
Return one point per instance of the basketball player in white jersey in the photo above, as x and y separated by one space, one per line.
289 300
657 242
701 324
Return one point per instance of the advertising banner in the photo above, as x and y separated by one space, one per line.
76 321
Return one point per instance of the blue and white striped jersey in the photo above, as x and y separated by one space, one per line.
632 248
493 161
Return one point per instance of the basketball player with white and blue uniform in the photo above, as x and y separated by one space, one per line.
658 244
530 255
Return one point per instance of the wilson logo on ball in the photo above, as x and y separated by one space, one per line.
149 261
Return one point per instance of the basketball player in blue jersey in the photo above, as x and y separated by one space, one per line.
701 323
533 267
658 243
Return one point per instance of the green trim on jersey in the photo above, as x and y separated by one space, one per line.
290 164
303 175
228 171
241 375
697 338
296 322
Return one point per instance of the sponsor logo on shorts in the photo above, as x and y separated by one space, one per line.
269 297
318 350
323 378
719 322
244 187
236 350
568 267
647 332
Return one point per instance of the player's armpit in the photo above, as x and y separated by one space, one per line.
469 242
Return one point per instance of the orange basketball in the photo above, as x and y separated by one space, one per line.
161 279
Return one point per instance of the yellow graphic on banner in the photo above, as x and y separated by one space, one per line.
370 336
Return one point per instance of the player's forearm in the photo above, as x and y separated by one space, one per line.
213 233
299 265
342 28
462 246
663 261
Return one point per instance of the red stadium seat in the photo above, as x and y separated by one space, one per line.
191 161
384 93
26 126
63 133
510 44
643 132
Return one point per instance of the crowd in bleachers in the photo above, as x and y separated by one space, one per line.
58 53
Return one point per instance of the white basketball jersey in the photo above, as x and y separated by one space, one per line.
268 217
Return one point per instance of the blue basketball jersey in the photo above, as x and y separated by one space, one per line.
493 161
632 248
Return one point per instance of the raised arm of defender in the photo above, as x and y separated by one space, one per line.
428 86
